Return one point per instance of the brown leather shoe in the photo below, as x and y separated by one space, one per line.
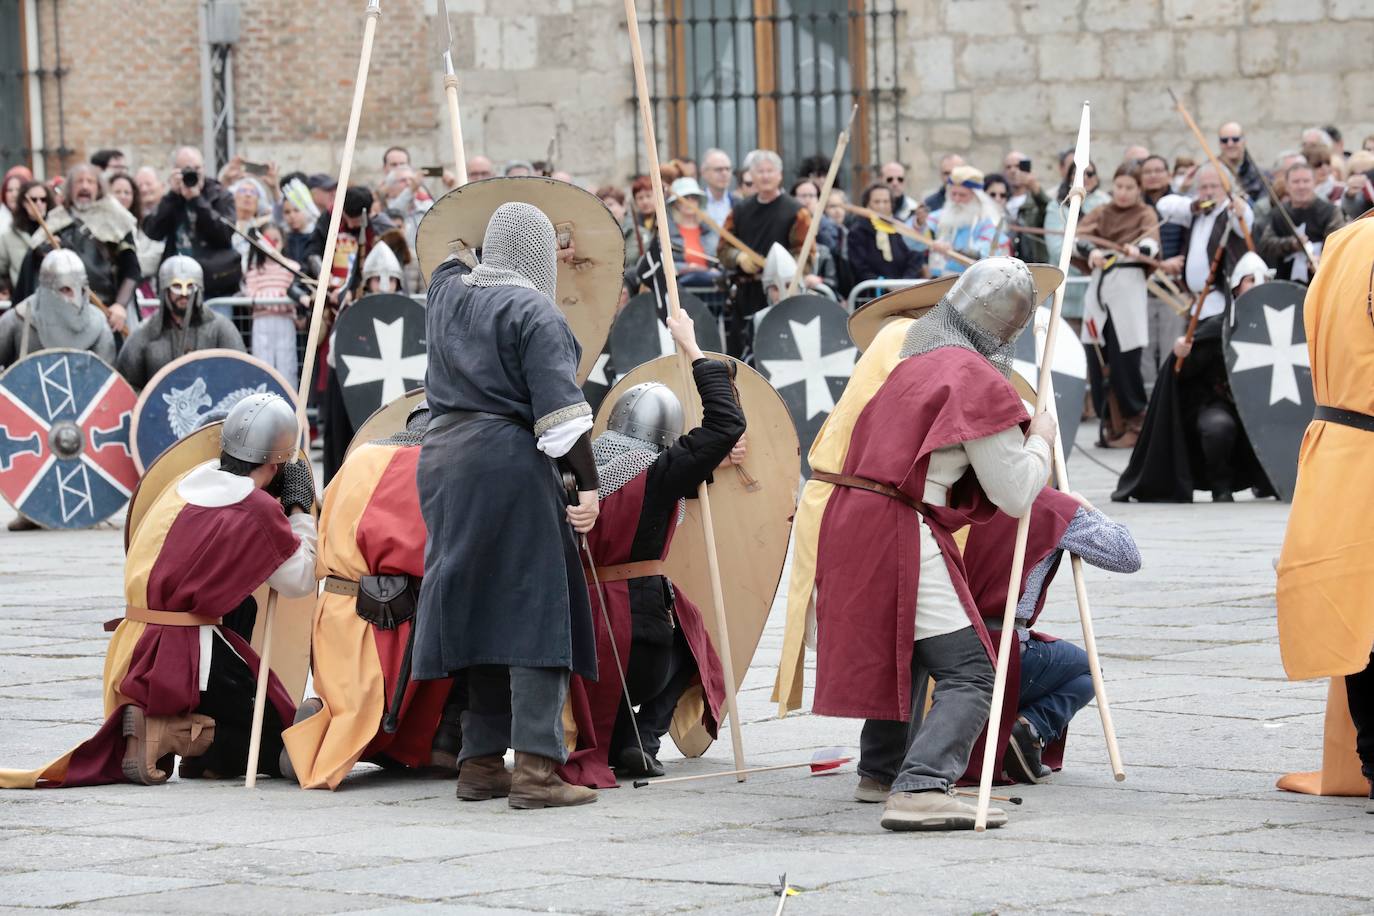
535 784
481 778
150 742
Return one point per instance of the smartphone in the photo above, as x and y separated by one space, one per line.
1024 165
254 168
433 171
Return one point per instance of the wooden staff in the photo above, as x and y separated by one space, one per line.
1096 240
1202 296
444 34
1044 396
840 143
1223 173
903 229
373 13
1080 587
1278 204
55 244
727 663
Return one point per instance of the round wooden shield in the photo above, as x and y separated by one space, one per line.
588 283
379 352
187 391
639 333
386 420
1271 376
802 347
64 438
1069 371
294 617
751 508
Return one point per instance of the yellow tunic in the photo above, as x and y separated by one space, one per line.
1326 570
827 454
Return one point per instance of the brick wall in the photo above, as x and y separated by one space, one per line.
979 75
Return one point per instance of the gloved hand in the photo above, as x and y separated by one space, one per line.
297 486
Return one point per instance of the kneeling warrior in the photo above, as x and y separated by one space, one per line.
647 467
372 554
180 675
940 445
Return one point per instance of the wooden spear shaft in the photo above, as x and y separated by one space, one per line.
1044 393
455 124
727 663
690 206
1080 589
374 12
1278 204
1223 173
840 143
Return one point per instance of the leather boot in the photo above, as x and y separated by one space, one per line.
149 742
535 784
481 778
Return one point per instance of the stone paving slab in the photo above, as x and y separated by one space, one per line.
1205 718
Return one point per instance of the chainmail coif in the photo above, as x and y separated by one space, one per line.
519 249
944 326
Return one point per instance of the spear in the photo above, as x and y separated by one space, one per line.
903 229
373 13
727 663
443 39
840 143
1223 173
1044 400
1278 204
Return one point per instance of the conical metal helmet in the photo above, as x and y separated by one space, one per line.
261 429
649 412
996 294
62 267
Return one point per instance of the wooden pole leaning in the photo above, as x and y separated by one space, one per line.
840 143
1080 588
1044 393
727 663
374 12
906 231
1223 173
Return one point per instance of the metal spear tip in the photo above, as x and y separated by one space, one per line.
1080 151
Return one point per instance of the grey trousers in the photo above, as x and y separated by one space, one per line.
1165 326
520 708
920 755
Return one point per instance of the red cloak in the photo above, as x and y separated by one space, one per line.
868 561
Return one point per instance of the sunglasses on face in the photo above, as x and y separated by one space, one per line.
997 195
894 179
40 199
1229 140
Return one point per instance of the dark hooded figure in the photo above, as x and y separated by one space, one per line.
504 602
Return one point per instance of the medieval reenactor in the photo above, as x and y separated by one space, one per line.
647 467
59 314
1326 618
504 601
101 232
769 215
1212 222
180 675
1192 437
1055 681
371 550
183 324
946 408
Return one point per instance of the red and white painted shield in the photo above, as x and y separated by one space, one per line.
65 460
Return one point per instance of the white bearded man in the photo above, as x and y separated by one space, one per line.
967 224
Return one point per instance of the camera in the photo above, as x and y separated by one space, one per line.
190 177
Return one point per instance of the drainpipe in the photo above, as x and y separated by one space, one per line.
33 55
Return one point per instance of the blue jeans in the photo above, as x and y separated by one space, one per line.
1055 684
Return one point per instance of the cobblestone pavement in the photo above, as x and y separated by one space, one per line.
1205 718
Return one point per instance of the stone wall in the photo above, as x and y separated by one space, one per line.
986 75
979 76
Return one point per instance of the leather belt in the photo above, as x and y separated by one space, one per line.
338 586
164 618
636 570
1352 418
453 417
863 483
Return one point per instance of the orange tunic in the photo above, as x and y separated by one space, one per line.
1326 574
